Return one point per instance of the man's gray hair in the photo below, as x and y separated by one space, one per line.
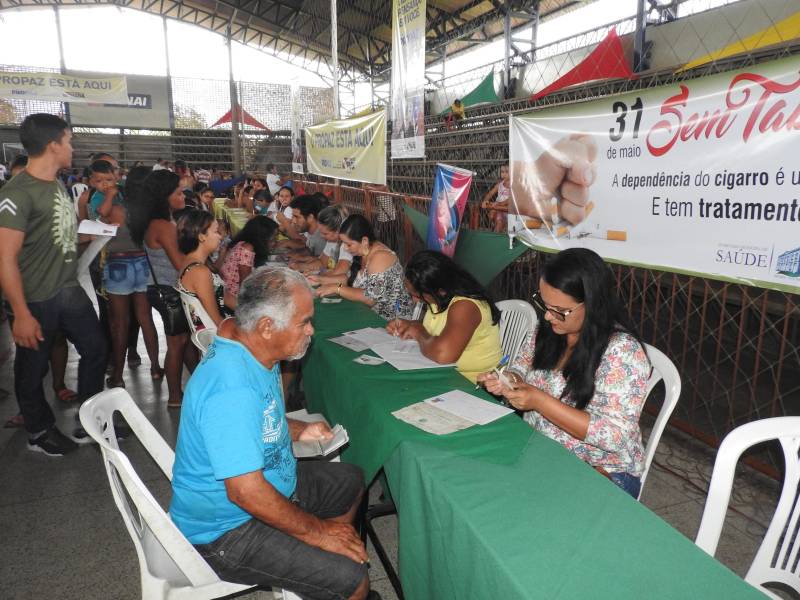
268 292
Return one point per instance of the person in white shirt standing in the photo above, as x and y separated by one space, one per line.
274 180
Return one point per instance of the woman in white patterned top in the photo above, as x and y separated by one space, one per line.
376 275
581 376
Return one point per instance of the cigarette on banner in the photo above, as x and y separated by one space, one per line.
565 229
616 235
534 224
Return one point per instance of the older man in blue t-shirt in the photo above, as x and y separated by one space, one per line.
255 514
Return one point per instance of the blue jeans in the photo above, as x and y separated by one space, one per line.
256 554
71 312
627 482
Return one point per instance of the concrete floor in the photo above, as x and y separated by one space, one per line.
63 537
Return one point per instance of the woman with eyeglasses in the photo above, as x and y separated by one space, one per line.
581 375
461 323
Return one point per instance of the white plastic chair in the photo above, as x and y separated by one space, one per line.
663 368
170 566
777 557
193 309
517 318
416 314
202 338
77 189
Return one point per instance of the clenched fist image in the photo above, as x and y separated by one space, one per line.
565 172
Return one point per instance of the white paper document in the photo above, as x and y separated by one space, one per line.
311 448
431 419
469 407
450 412
90 227
349 343
371 336
405 355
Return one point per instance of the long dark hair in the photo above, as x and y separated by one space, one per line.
432 273
357 227
582 274
151 201
191 224
133 184
259 232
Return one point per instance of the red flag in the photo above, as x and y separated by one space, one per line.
242 117
606 61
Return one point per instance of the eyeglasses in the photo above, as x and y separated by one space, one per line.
561 315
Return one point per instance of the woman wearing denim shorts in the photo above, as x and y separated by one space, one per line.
125 277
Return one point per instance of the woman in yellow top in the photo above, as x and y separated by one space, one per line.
461 323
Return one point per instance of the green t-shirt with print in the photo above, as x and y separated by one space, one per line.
48 258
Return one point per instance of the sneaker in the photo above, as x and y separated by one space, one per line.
80 436
52 443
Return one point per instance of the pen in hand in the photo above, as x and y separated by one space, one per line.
396 321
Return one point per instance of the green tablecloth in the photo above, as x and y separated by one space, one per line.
219 208
235 217
483 253
497 511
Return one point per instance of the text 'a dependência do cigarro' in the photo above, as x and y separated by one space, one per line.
728 180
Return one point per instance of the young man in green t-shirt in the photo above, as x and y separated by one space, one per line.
38 276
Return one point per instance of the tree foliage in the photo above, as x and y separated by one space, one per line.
8 114
187 117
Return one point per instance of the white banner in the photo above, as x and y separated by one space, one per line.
352 149
147 107
63 88
297 127
408 78
699 177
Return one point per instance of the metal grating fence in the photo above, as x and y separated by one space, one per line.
196 105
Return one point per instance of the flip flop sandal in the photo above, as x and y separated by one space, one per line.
66 395
134 362
15 422
157 374
110 383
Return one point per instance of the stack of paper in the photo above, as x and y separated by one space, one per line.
371 336
311 448
453 411
403 355
350 343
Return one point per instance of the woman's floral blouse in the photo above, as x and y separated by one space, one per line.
613 440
